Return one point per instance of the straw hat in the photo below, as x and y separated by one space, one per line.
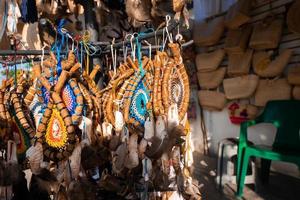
293 17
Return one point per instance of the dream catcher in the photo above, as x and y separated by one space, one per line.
114 101
17 121
23 128
63 102
175 83
137 102
91 93
171 84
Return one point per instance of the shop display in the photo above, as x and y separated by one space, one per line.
97 97
117 140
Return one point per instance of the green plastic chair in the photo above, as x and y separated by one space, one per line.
285 116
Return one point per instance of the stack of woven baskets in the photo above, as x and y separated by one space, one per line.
246 46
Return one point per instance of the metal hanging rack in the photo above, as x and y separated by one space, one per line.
104 47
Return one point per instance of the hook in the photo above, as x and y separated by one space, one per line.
178 36
114 56
168 19
133 46
150 48
125 47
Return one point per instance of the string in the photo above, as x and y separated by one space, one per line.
81 57
150 49
126 48
89 49
85 40
15 74
132 47
139 56
124 52
59 46
114 56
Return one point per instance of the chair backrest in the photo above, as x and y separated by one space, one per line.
285 115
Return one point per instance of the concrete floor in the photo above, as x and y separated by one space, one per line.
280 187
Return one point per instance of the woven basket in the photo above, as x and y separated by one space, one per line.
238 14
206 62
268 90
264 67
266 35
294 75
237 39
296 92
208 33
211 80
240 87
211 100
239 63
293 17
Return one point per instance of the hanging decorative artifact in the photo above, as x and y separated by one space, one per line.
175 83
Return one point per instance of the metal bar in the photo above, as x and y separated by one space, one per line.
106 45
145 48
142 37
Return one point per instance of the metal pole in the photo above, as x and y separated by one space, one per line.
144 48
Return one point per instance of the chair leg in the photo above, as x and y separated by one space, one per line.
265 170
242 175
221 167
239 162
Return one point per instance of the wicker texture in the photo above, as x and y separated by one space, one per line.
265 67
208 33
211 100
239 63
266 34
206 62
240 87
268 90
238 14
211 80
237 39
